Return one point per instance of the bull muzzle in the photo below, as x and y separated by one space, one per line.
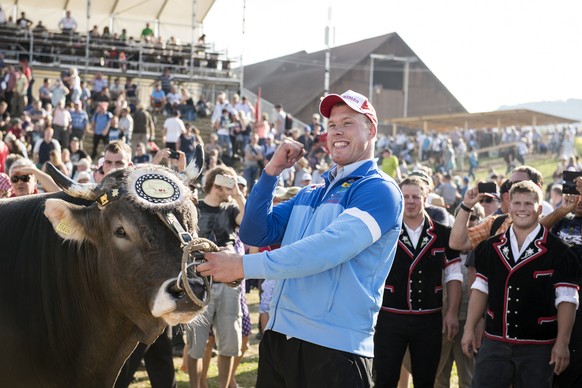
189 281
197 285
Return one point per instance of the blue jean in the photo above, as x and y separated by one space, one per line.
226 144
499 364
251 174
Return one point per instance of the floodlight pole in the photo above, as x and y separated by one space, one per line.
192 40
88 39
327 53
242 49
407 61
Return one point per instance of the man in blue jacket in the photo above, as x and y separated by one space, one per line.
338 241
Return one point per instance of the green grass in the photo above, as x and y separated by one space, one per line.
545 164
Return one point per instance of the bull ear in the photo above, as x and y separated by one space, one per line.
60 214
192 172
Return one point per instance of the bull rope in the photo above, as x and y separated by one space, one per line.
196 245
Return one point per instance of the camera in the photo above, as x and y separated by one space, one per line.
569 186
174 155
487 187
224 181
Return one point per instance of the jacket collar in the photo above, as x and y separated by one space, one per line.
354 170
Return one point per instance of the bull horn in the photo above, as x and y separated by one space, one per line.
69 186
192 172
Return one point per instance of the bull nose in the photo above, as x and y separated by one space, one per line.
196 284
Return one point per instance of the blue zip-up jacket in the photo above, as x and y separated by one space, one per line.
337 248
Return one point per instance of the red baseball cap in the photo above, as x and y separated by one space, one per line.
354 100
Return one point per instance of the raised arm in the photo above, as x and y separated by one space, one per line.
568 205
459 239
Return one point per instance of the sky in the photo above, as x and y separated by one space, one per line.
488 53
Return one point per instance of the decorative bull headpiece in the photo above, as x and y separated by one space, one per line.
159 190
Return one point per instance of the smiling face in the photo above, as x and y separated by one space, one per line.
350 136
525 210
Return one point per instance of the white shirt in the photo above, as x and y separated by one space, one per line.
246 109
174 98
68 23
126 124
217 113
515 250
452 271
174 128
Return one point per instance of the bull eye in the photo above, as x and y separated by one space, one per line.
120 232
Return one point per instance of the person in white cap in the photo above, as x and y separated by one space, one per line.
338 242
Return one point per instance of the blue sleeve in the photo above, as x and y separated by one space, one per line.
372 215
267 224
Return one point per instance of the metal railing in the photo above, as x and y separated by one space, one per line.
116 57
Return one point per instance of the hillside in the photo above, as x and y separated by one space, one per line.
571 108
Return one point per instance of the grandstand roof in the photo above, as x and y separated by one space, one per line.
174 16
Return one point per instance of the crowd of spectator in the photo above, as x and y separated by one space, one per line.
69 114
111 49
52 128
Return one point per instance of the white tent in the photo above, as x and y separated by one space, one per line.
179 18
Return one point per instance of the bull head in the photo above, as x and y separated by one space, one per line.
90 192
139 192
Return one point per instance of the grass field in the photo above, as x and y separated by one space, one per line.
545 164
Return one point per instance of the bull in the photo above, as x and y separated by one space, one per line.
87 273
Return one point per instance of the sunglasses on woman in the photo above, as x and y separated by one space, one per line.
23 178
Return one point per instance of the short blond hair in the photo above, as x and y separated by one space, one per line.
526 187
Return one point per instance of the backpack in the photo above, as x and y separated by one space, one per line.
288 121
473 161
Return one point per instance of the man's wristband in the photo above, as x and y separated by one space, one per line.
465 208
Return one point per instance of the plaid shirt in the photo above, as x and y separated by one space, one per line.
79 119
482 232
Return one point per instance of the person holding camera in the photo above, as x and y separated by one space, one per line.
220 213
